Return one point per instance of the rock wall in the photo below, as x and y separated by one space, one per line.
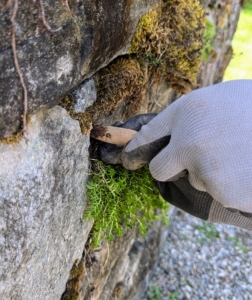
45 251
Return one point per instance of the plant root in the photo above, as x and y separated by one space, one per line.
14 50
43 19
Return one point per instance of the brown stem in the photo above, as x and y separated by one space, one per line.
67 5
44 21
16 63
6 5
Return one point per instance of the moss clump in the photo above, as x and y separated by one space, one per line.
167 45
73 284
209 34
171 39
85 119
120 199
13 139
121 79
147 26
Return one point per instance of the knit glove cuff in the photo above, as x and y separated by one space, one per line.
200 204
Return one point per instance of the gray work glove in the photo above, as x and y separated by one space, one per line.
210 133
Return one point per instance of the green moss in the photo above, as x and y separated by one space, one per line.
209 35
167 45
120 199
74 282
147 25
173 35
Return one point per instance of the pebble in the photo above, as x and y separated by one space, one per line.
203 261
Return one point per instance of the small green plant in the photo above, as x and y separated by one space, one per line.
239 245
152 59
209 231
120 199
174 295
154 293
209 34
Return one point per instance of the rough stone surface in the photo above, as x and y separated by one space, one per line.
42 199
122 266
224 16
83 40
84 96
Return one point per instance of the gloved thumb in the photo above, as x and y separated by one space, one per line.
166 165
149 141
138 157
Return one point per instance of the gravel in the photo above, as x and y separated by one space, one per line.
203 261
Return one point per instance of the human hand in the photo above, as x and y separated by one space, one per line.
210 134
111 154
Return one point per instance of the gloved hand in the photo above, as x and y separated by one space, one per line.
112 154
211 138
205 169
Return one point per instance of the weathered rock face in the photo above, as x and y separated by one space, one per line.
42 182
42 198
83 38
121 268
224 16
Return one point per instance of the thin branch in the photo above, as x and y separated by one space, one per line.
44 21
160 56
6 5
16 63
67 5
151 78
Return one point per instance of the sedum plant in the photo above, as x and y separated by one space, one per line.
120 199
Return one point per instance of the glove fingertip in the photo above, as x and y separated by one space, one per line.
164 167
132 162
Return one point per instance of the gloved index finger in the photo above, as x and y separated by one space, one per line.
157 128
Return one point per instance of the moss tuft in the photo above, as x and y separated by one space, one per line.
73 284
121 79
147 25
209 34
171 39
120 199
13 139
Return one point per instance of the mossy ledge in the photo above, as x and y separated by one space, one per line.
120 80
167 45
171 39
17 137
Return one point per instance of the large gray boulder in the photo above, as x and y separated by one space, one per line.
42 199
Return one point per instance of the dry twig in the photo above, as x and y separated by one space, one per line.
7 5
151 78
67 5
43 18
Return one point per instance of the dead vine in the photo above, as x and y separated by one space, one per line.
14 26
67 4
43 18
14 50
